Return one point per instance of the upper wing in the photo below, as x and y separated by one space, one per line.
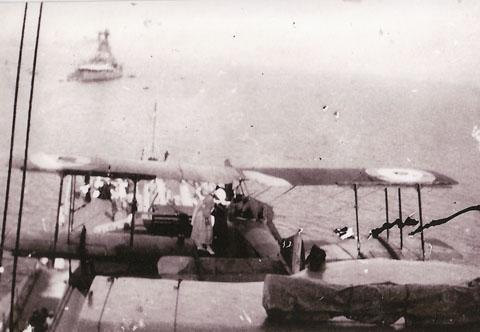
125 168
275 176
347 176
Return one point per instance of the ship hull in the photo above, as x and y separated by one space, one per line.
93 76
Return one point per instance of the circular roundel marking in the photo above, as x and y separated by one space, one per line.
402 175
56 162
265 179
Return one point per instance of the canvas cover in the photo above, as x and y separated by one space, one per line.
310 298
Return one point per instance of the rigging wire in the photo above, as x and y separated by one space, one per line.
24 173
282 194
12 135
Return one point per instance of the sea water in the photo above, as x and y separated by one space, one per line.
307 86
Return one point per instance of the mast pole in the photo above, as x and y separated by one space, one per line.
152 152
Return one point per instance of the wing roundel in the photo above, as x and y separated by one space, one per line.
401 177
127 168
274 176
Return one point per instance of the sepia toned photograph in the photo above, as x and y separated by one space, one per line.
240 165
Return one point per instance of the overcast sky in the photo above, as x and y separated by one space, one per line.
425 40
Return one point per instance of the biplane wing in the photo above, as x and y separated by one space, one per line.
347 176
273 176
127 168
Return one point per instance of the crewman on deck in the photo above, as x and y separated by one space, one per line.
316 259
220 227
118 196
202 226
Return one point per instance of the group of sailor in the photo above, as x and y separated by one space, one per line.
158 191
118 191
211 204
208 200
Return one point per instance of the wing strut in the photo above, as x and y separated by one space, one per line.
355 191
387 225
71 213
70 217
59 205
400 215
386 212
134 210
421 220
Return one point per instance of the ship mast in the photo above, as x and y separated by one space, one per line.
153 155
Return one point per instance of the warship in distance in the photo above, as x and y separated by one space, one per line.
103 66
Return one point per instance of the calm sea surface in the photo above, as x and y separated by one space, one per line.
218 98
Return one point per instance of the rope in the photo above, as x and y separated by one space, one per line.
12 135
436 222
375 232
24 173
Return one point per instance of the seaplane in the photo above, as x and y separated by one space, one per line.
146 272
